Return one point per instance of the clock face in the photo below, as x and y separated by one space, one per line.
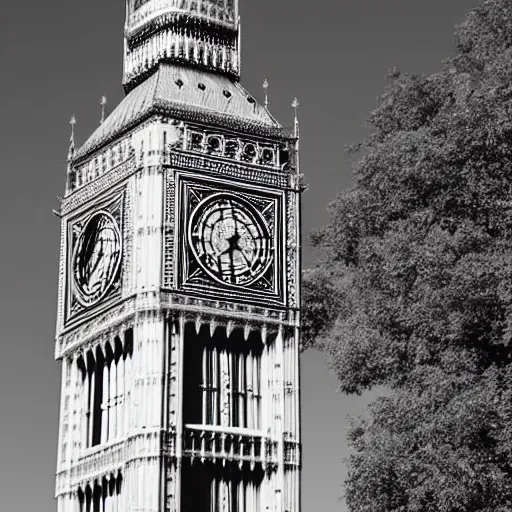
230 239
97 258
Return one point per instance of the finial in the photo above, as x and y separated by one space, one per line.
295 105
71 151
265 87
103 103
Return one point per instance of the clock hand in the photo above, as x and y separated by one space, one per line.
245 258
224 252
101 253
92 265
232 265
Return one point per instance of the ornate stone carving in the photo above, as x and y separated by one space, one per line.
259 176
62 276
169 231
181 344
128 239
292 249
194 275
94 189
117 318
220 145
92 177
95 243
292 455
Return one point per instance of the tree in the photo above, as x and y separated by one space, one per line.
414 288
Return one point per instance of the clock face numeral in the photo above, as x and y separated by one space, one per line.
97 258
230 239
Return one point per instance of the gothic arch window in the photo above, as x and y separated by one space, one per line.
106 384
103 495
200 53
223 379
98 387
213 487
88 499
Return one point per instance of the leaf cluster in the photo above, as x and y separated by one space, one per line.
414 288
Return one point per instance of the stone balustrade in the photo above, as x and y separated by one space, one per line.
229 444
106 459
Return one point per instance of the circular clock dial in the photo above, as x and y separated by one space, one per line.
230 239
97 258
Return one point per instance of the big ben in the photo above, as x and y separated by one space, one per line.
178 321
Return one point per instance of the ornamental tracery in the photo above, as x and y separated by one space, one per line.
95 254
97 258
180 246
230 241
245 150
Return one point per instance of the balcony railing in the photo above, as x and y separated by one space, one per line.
229 444
95 460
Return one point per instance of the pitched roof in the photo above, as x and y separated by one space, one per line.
188 94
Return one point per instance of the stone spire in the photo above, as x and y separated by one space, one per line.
265 88
103 103
71 150
199 33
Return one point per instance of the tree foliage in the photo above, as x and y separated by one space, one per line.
414 289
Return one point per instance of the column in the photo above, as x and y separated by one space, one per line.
105 402
128 390
257 391
84 407
279 413
225 391
249 391
93 368
107 495
242 392
73 410
120 396
204 386
112 416
215 383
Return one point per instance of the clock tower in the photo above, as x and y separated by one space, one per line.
178 321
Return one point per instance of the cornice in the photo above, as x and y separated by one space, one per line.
169 304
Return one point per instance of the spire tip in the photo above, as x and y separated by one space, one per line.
295 105
265 88
103 103
71 151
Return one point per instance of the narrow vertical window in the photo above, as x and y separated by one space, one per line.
105 387
223 381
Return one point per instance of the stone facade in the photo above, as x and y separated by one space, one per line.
179 300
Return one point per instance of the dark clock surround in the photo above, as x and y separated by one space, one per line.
262 208
94 258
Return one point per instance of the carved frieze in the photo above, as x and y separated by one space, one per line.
292 248
98 174
233 170
169 230
231 147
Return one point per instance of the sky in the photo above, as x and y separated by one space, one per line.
57 59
